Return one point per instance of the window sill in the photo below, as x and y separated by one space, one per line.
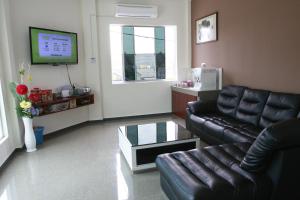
3 139
142 82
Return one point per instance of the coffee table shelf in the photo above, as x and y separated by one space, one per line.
141 144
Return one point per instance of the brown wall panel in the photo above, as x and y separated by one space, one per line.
259 42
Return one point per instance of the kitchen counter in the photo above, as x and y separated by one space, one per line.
196 92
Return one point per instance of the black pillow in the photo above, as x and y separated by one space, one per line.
279 136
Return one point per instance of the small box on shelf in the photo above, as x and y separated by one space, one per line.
59 107
73 103
37 95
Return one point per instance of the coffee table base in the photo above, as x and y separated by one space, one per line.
143 157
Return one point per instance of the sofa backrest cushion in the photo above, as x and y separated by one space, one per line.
229 99
251 106
298 115
281 136
279 107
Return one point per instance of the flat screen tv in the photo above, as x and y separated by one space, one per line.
52 47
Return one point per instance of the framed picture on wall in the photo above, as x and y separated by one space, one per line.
207 29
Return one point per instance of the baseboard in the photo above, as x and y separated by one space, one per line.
64 130
8 160
70 128
136 116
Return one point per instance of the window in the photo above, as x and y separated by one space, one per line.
143 53
1 130
1 114
3 121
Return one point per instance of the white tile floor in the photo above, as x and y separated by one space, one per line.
80 164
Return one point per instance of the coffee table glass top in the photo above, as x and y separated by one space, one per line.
154 133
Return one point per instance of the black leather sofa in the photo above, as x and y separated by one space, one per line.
239 114
257 156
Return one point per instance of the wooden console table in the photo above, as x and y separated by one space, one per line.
63 104
181 96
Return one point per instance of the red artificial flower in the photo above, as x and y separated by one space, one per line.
34 97
22 89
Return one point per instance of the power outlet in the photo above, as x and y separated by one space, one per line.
92 60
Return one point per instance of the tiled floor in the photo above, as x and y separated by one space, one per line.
80 164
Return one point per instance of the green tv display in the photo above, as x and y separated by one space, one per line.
53 47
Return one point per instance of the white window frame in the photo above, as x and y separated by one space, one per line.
174 76
3 121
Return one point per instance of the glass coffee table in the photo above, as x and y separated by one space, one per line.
141 144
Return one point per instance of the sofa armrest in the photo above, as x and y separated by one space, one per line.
280 136
202 107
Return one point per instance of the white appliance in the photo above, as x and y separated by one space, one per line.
136 11
207 78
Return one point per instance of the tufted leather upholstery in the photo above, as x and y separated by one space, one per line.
211 173
262 160
241 134
229 99
279 107
240 121
223 128
202 106
251 106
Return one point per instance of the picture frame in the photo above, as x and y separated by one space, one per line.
207 28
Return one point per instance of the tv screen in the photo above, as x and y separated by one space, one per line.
53 47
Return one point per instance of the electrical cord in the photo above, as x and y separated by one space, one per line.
71 84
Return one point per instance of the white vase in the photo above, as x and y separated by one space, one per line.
30 141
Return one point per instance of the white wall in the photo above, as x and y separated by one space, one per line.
53 14
93 71
90 19
141 98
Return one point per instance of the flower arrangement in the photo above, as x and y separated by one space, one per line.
20 91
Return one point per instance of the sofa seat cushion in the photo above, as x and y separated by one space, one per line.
218 119
198 121
216 125
201 119
225 121
211 173
246 133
